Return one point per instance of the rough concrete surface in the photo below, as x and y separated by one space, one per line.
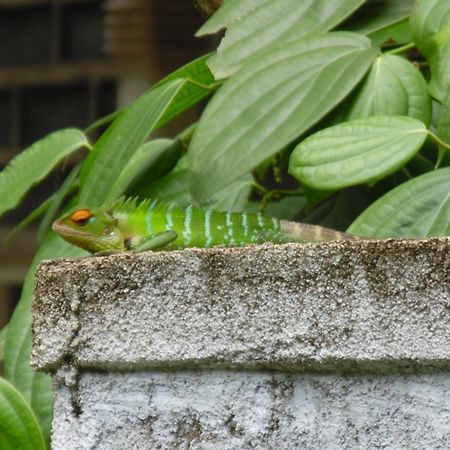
240 410
339 305
325 346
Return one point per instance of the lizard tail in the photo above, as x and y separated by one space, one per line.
303 232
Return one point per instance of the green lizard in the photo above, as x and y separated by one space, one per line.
126 225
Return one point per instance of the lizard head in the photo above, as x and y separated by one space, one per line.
92 229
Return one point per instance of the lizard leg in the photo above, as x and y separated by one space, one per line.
158 240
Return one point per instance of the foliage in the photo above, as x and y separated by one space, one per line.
335 112
18 425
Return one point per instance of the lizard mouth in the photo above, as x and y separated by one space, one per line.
60 228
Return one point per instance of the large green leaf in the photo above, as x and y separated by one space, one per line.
31 217
143 159
235 195
19 428
120 141
199 85
35 163
253 25
444 127
430 25
392 87
269 103
398 33
418 208
172 187
356 152
35 387
378 14
69 184
231 11
2 341
163 166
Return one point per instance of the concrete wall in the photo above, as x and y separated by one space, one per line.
339 345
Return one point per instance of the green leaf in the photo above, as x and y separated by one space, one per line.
444 128
419 164
144 158
340 210
120 141
200 85
253 25
68 186
162 166
36 213
35 387
361 151
235 195
430 25
392 87
315 197
2 341
172 188
398 32
231 11
418 208
269 103
288 208
378 14
34 163
102 121
19 428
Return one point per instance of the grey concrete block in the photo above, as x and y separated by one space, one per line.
338 345
331 305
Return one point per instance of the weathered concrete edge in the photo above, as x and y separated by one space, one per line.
65 329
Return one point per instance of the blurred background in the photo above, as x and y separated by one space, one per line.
66 63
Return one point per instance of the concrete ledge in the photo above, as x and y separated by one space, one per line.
360 306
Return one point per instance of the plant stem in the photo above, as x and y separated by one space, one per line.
207 87
287 192
439 140
260 188
401 49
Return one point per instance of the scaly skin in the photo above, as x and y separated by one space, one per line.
154 225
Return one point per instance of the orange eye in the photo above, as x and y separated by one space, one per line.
81 217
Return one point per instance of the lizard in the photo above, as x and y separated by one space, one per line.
129 225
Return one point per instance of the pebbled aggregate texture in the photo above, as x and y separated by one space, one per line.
336 345
347 304
235 410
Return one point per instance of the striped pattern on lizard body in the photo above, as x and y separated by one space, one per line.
128 225
196 227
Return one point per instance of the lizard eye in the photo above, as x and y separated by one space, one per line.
82 217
